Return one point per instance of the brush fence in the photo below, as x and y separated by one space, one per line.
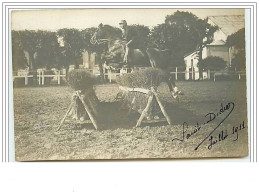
144 101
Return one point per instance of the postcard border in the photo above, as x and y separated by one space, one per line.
7 136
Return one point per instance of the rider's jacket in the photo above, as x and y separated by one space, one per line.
130 34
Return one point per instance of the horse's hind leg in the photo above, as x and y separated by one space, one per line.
172 86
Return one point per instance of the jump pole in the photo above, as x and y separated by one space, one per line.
161 106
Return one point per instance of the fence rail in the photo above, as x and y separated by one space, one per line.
208 73
39 74
110 74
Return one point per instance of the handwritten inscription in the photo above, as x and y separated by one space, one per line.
223 135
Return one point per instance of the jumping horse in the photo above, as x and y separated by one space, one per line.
150 57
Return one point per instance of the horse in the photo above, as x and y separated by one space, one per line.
144 57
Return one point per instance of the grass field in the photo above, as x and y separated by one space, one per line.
39 110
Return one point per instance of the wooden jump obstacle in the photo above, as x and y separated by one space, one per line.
88 105
152 96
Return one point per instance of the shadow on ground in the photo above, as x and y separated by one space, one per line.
113 117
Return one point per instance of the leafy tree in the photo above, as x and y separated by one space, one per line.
182 32
73 46
237 39
30 43
142 35
237 42
18 57
48 50
212 63
238 63
42 47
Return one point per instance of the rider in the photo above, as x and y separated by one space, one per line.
128 35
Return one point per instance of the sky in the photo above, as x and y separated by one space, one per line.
55 19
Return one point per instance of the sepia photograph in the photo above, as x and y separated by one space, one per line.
100 84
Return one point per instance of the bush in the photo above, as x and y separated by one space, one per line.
146 78
80 79
239 61
212 63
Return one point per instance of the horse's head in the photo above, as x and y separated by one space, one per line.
99 36
111 36
105 34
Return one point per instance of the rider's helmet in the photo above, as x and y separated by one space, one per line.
100 25
124 22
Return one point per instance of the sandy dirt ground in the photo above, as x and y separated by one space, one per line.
39 110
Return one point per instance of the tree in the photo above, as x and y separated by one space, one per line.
87 45
236 41
30 43
142 35
42 47
182 33
212 63
73 46
18 57
48 50
238 63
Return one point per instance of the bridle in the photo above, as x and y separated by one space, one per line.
95 41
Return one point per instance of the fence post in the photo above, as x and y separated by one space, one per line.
192 73
39 77
209 74
175 73
26 79
110 75
59 77
42 77
239 76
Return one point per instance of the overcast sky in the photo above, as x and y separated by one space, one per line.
84 18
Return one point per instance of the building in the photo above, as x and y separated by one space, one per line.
227 26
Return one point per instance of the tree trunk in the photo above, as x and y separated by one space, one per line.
100 65
76 63
89 60
200 58
31 60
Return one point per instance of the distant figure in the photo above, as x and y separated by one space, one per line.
129 36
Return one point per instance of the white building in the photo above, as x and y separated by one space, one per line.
227 26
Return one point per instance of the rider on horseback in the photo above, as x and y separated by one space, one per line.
129 36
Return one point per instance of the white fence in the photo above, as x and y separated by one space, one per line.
57 76
206 75
40 75
110 74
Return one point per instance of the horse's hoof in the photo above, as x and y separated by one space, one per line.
180 93
174 95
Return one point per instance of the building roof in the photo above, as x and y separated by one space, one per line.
218 42
191 53
229 24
